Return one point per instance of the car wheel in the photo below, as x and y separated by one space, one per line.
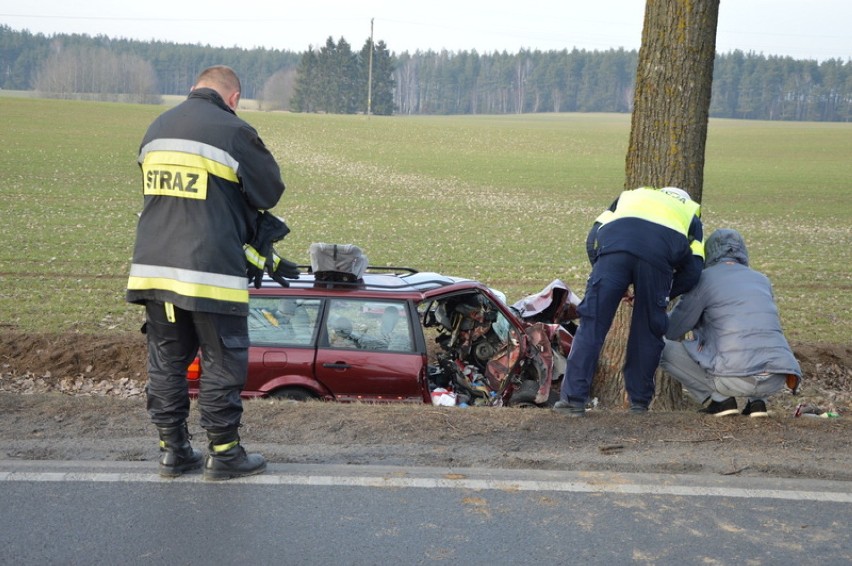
292 394
524 396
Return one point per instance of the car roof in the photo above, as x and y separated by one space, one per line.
401 283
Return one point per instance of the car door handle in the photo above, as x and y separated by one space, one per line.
337 365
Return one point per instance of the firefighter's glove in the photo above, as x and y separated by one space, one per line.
259 252
270 229
255 265
281 269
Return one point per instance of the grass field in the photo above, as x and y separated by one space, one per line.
507 200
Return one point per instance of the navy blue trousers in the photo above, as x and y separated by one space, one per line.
611 275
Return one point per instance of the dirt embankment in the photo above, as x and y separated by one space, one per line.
72 397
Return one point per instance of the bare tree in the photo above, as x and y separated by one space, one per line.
97 74
667 141
278 90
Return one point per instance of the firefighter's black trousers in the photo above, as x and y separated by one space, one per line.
172 345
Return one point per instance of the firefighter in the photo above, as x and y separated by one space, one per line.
652 239
207 179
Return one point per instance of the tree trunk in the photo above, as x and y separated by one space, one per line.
608 383
667 141
672 98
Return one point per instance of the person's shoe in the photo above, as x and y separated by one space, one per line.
569 408
227 459
721 408
638 409
756 409
176 453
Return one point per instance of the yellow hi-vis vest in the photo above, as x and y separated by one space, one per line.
657 207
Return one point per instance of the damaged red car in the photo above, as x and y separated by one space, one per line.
399 335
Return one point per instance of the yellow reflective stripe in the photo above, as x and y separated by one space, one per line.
697 248
189 283
170 312
253 257
657 207
175 158
225 447
189 275
187 289
224 162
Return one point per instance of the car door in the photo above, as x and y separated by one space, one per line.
367 352
282 331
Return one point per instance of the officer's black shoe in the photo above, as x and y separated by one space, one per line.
569 408
176 453
227 458
638 409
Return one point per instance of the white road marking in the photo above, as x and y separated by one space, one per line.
440 478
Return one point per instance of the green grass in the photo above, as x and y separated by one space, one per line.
507 200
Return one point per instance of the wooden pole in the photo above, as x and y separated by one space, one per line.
370 74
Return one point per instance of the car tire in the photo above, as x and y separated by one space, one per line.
524 395
292 394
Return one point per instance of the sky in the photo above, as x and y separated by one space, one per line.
802 29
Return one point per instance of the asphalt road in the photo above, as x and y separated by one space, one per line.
67 513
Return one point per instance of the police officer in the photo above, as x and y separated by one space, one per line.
652 239
206 174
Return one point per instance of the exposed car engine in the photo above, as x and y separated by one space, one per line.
472 340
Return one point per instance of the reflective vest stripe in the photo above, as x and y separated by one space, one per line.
189 283
171 151
659 208
697 248
605 216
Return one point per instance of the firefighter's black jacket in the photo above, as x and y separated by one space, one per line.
205 175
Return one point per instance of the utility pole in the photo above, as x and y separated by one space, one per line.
370 74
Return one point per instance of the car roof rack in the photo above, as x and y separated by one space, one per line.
371 268
410 277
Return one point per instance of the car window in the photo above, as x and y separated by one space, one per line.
369 325
282 321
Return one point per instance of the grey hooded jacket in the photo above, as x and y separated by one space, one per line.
732 315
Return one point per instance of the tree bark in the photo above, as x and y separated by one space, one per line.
667 141
672 98
608 383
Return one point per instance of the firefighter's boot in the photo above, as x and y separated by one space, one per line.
228 459
176 453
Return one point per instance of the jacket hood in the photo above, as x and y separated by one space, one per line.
725 244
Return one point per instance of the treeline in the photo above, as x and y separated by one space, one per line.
333 78
513 83
175 66
755 87
745 85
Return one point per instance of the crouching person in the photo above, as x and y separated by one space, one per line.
737 347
